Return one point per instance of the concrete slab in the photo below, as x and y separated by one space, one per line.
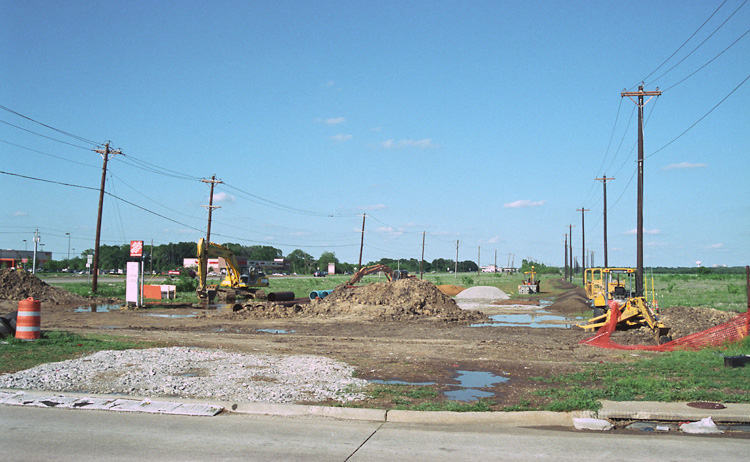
516 419
297 410
669 412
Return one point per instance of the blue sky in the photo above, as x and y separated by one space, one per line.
479 122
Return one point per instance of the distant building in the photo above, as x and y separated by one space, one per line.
10 258
278 265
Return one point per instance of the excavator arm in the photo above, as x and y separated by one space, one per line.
390 274
234 278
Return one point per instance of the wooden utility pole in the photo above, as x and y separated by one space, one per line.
105 156
640 103
583 239
604 180
421 262
496 261
210 207
213 181
362 241
455 271
479 250
570 244
566 256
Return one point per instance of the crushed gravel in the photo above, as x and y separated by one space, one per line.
196 373
482 293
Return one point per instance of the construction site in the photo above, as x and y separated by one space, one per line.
403 331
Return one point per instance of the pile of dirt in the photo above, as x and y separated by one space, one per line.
572 301
683 320
450 289
405 299
20 285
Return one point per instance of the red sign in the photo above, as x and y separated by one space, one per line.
136 248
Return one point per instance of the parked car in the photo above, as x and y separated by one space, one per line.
319 274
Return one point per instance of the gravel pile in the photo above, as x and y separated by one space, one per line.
482 293
196 373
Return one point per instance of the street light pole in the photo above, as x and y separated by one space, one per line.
68 234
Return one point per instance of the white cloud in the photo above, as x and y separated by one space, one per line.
372 207
400 144
20 214
645 231
494 240
340 138
376 129
715 246
333 120
223 197
390 231
683 165
329 83
523 203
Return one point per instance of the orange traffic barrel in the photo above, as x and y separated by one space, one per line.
28 321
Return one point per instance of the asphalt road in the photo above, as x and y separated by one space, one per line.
62 434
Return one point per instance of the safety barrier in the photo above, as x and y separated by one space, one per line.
28 320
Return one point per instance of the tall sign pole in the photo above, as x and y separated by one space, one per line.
213 181
640 103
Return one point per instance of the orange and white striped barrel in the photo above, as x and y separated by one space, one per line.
28 320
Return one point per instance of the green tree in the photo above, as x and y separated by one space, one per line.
325 259
300 261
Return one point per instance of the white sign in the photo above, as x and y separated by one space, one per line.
131 282
332 268
89 259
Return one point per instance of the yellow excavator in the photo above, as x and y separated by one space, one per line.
236 284
606 287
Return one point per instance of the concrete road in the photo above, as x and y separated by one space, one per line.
61 434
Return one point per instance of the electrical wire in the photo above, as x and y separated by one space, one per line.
153 168
703 117
44 136
278 206
700 44
79 138
683 44
709 62
47 154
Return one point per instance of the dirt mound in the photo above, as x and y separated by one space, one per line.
406 299
572 301
683 320
563 284
450 289
19 285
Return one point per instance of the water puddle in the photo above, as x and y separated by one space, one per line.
539 319
469 385
98 308
159 315
275 331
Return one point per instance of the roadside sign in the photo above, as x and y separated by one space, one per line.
89 260
136 248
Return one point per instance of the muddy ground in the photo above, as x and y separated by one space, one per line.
406 330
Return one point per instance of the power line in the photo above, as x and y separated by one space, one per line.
45 136
703 117
683 44
700 44
79 138
47 154
278 206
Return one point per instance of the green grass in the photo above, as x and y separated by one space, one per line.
667 377
720 291
54 346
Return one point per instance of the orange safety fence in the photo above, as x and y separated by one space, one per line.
731 331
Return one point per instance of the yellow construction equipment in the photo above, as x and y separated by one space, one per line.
236 283
530 285
607 288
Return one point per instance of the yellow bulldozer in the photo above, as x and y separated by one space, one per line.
608 287
236 283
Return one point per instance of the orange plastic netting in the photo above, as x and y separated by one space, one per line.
731 331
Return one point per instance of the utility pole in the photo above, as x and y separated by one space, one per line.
421 262
479 250
640 103
455 271
362 241
68 234
566 256
570 244
583 239
36 244
105 156
604 180
213 181
496 260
